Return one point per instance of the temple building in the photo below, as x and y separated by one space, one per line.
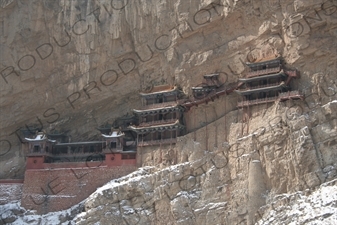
37 150
210 84
122 125
114 141
42 152
160 120
40 144
267 81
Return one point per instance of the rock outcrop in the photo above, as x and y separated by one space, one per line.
231 183
74 65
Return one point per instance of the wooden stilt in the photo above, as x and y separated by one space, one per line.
248 116
225 131
206 130
171 140
242 121
195 127
160 143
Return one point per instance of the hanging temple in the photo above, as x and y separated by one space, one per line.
156 124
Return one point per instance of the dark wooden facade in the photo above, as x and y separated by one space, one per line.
160 121
265 82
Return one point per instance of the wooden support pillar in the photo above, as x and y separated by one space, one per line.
206 130
248 116
225 121
195 127
171 138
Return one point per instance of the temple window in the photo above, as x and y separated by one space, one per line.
113 145
92 149
36 148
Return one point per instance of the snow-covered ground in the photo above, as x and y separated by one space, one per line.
318 208
13 213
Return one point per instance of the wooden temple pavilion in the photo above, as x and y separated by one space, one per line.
210 85
114 141
160 119
40 145
42 152
267 81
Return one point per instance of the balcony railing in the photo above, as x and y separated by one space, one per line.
260 86
282 97
291 95
257 101
263 72
157 142
63 153
110 150
159 105
157 122
38 153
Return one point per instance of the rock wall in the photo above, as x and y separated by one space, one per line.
74 65
10 191
229 182
58 189
66 64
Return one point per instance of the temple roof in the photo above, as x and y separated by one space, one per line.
266 62
211 75
114 134
40 137
159 90
161 127
262 77
81 143
203 89
261 89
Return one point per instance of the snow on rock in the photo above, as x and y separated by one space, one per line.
10 192
13 213
320 207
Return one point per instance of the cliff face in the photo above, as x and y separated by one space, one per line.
240 182
74 65
65 65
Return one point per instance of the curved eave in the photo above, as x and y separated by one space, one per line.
175 125
281 74
81 143
110 136
211 75
39 140
149 111
203 89
174 89
264 89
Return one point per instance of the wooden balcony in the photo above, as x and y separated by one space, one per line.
159 105
291 95
260 86
75 155
282 97
38 154
112 150
157 122
263 72
157 142
256 101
